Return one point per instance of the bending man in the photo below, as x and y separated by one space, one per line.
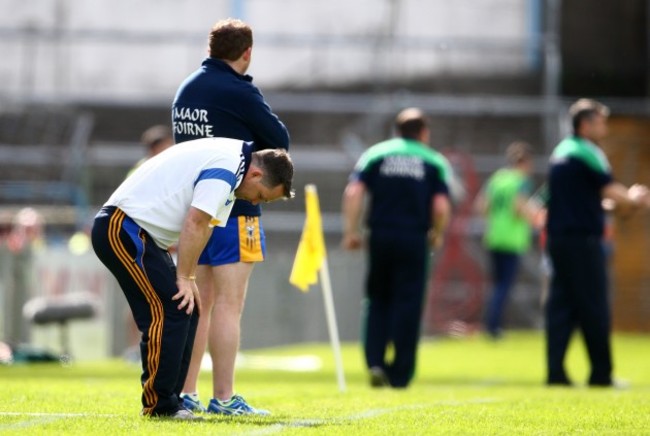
177 196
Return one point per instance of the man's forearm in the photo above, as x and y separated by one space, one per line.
194 236
352 206
625 200
441 213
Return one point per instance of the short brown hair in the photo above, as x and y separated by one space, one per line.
278 169
229 39
410 122
585 109
518 152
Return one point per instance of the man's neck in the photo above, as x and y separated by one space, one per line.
587 138
239 66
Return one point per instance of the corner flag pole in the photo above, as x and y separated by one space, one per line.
331 323
311 259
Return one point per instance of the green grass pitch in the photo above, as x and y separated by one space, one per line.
463 386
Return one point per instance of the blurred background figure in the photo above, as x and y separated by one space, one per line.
407 186
16 270
156 139
504 201
579 178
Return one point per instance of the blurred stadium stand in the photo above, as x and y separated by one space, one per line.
43 150
70 120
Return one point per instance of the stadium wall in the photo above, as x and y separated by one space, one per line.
628 148
124 50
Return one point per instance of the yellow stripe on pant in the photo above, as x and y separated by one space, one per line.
155 328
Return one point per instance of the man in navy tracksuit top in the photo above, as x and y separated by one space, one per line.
220 100
408 188
579 179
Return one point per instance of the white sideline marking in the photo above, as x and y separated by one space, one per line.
303 363
30 423
61 415
45 418
372 413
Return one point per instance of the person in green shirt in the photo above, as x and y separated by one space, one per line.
504 201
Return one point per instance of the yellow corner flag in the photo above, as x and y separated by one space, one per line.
311 250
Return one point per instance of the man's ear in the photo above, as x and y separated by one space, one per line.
247 54
255 173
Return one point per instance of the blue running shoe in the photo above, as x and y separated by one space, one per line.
235 406
192 404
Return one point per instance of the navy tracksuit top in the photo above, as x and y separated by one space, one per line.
216 101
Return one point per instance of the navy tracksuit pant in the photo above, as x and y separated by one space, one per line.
578 298
147 276
395 289
504 272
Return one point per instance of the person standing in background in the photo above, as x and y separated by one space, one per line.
579 179
155 139
17 251
407 184
504 201
219 99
